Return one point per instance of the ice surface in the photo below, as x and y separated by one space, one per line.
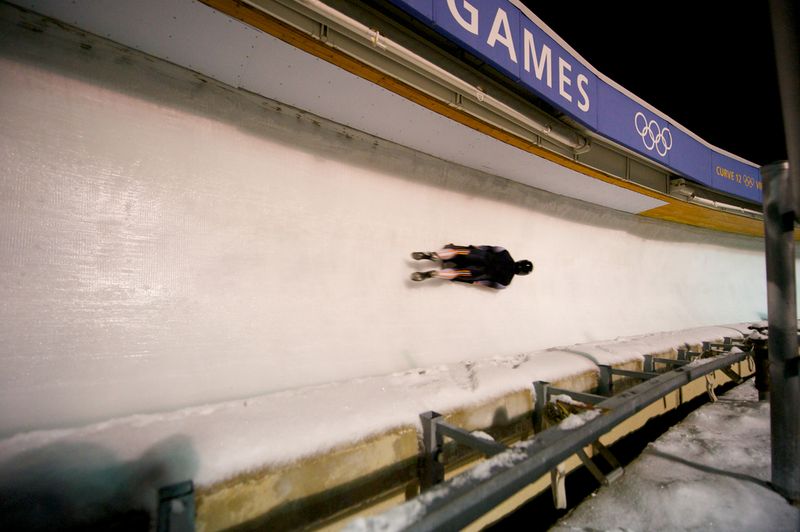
710 472
163 232
132 456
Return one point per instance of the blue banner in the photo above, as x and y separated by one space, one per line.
504 36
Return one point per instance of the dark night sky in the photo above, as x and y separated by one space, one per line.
711 71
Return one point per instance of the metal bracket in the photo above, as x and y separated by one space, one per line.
543 392
434 429
431 469
605 383
643 375
588 398
732 375
650 362
670 361
176 507
603 479
617 470
592 467
540 389
685 354
459 435
727 344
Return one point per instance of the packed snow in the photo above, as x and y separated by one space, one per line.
134 455
578 420
564 398
710 472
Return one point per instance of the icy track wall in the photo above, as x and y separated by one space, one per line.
167 241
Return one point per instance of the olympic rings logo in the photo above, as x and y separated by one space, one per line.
653 136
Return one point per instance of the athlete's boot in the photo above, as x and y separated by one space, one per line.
423 255
421 276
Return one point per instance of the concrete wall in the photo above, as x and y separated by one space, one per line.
166 240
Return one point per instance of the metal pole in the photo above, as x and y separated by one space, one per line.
784 382
782 204
785 20
176 508
761 360
432 470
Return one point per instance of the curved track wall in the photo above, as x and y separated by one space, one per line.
166 240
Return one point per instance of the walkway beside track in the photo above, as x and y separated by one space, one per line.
709 472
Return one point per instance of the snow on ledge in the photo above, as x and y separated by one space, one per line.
216 442
624 350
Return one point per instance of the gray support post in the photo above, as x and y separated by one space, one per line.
727 343
540 389
648 363
779 217
588 398
592 467
431 469
761 360
670 362
643 375
785 23
781 207
617 470
605 384
463 437
176 508
732 375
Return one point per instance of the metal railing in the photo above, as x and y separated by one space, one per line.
463 499
466 497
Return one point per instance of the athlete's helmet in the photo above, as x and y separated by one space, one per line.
523 267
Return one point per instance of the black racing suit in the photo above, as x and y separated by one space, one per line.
490 266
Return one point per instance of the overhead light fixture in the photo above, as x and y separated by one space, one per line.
678 187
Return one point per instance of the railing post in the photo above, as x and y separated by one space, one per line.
761 362
540 391
176 508
431 469
781 209
605 383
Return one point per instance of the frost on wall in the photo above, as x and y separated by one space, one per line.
168 241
